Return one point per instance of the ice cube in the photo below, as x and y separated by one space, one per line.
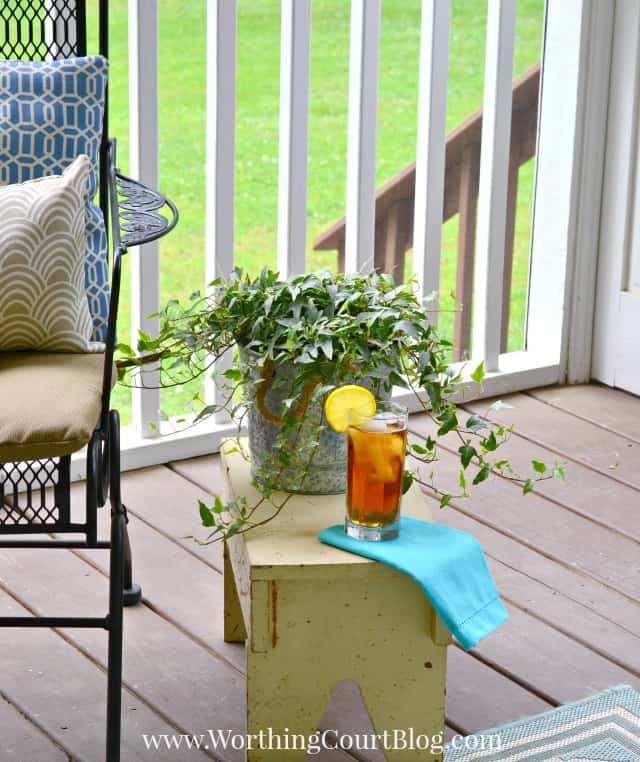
380 423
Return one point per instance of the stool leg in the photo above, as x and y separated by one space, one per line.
281 712
417 733
234 627
290 670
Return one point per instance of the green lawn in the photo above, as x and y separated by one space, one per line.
182 128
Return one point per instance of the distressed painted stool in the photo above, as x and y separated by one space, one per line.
313 616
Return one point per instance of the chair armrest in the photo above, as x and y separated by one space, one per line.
135 209
138 212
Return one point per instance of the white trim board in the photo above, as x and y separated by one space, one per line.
617 225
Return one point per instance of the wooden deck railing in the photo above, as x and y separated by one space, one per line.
395 204
384 225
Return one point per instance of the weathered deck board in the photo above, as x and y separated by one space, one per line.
177 585
145 490
203 472
585 492
607 408
560 597
611 454
49 680
466 710
565 559
536 522
169 672
23 740
531 651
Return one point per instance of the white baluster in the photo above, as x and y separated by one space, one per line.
144 166
295 46
363 117
494 171
220 148
430 149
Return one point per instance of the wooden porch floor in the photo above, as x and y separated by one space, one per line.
566 560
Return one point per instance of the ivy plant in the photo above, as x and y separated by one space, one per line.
331 329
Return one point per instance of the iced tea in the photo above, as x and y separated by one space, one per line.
374 473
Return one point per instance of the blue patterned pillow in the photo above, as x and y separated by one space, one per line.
50 113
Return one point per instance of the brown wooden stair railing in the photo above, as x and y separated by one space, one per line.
395 202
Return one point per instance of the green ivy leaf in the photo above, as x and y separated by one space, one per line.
500 405
475 424
435 396
462 480
233 374
528 486
449 422
482 475
467 452
559 472
407 481
233 529
490 444
478 373
539 466
445 500
206 515
327 347
125 349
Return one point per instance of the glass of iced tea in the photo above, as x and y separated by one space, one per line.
375 466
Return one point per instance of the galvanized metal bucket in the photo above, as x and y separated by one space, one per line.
326 473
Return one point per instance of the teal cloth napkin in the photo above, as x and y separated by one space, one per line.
449 566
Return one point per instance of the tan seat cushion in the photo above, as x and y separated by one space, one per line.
49 403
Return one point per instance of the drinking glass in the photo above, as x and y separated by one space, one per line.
375 466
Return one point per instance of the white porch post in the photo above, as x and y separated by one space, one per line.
570 159
144 166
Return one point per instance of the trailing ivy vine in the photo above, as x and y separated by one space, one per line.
331 329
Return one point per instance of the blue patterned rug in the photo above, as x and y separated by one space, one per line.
603 728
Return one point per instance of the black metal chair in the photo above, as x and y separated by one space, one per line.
35 494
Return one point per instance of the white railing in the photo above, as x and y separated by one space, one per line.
507 372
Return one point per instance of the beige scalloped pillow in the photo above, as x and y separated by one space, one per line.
43 301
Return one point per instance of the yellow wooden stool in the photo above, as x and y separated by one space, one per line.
314 616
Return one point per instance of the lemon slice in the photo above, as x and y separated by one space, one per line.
349 404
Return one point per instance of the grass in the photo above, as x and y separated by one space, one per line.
182 129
